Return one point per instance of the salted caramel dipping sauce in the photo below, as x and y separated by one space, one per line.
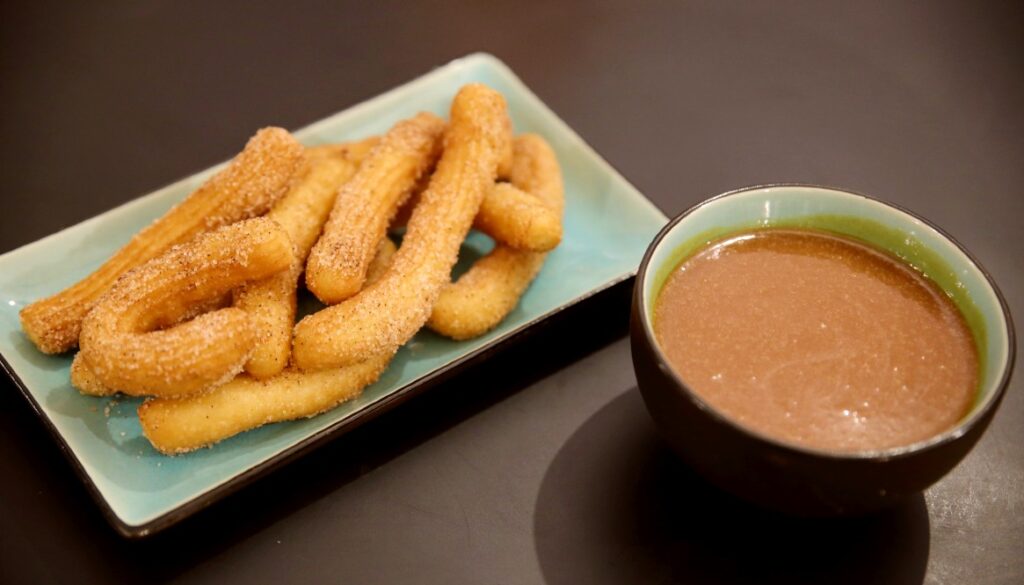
817 340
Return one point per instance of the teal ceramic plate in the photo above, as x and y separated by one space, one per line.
608 226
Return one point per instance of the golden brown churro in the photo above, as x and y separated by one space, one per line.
535 170
519 219
510 216
210 289
301 212
86 381
270 304
388 313
337 264
247 187
491 288
178 425
124 342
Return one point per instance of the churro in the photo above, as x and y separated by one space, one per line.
483 296
126 341
197 312
301 212
510 216
518 219
337 264
388 313
86 381
179 425
247 187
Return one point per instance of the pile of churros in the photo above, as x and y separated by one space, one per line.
197 312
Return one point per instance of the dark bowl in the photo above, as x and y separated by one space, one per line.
792 478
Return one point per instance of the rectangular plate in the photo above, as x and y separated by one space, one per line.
608 225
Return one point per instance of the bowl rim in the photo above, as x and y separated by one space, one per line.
962 427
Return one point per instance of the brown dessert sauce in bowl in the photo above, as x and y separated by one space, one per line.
817 351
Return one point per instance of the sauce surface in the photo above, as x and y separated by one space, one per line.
817 340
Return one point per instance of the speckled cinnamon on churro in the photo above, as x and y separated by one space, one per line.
247 187
130 340
388 313
483 296
337 263
301 212
179 425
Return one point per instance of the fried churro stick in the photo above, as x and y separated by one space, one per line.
247 187
122 342
388 313
302 213
337 263
510 216
270 304
179 425
491 288
87 382
518 219
535 170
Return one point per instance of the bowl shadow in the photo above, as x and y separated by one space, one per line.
617 506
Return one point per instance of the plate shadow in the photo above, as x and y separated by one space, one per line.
551 345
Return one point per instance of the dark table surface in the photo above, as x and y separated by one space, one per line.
540 466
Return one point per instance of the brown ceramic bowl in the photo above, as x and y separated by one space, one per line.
788 477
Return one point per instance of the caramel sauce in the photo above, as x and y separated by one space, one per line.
817 340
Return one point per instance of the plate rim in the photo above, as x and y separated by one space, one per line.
233 483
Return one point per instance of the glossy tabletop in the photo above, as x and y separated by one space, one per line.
538 465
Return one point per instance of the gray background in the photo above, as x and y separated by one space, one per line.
540 466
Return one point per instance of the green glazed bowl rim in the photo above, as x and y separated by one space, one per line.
978 412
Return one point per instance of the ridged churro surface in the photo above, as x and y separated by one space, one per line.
507 214
88 383
247 187
178 425
128 340
388 313
483 296
519 219
301 213
364 207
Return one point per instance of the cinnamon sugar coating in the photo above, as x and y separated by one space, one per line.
246 188
483 296
366 204
130 341
179 425
88 383
385 315
509 215
198 310
301 213
519 219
